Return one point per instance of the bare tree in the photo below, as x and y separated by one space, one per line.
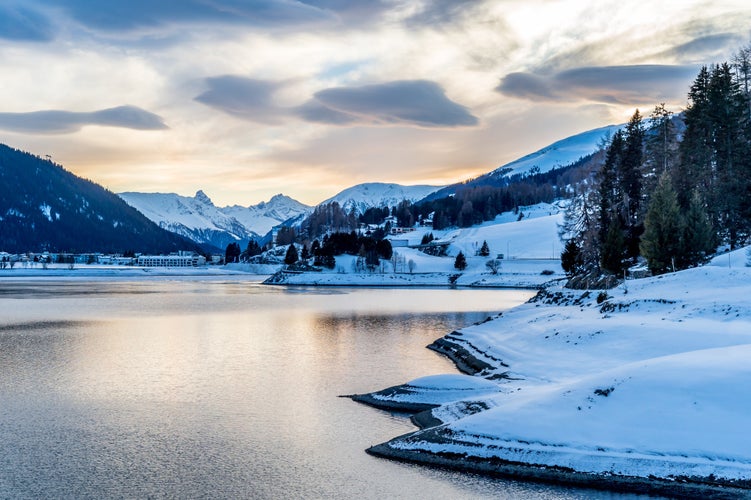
411 265
742 64
494 265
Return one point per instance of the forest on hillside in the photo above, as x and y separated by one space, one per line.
672 191
43 207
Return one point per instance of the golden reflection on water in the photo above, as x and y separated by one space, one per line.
194 388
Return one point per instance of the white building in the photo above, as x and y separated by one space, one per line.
183 259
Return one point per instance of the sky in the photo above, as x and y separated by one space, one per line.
244 99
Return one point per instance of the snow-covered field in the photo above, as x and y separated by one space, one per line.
530 248
651 380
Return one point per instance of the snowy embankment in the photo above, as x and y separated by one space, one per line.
524 245
644 387
89 271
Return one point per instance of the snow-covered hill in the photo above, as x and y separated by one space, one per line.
646 380
528 241
200 220
376 194
559 154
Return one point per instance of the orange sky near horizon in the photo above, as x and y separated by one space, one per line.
244 99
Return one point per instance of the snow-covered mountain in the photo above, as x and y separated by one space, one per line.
562 153
377 194
559 154
263 217
200 220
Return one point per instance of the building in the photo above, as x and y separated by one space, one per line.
182 259
115 260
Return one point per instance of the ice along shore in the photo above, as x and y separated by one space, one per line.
640 388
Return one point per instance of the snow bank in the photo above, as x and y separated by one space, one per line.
428 392
645 380
89 271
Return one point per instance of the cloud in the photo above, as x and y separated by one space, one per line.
125 15
246 98
704 47
438 13
353 11
23 24
407 102
66 122
607 84
314 111
420 103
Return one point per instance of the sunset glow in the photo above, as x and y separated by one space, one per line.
246 99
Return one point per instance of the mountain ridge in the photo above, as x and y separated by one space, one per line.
43 207
360 197
199 219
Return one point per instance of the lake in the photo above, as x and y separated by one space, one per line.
222 388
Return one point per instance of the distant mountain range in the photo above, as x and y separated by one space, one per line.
43 207
376 194
200 220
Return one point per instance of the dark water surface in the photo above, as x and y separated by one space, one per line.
222 389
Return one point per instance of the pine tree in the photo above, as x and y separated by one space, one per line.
661 242
251 250
630 173
484 249
609 188
613 253
730 144
581 225
694 170
232 252
427 238
572 261
661 140
698 235
291 256
461 262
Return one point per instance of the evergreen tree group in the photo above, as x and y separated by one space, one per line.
667 200
371 250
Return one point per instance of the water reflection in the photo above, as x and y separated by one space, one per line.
221 389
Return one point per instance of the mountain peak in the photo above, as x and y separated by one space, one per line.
203 197
378 194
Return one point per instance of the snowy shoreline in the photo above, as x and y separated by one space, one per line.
105 272
640 388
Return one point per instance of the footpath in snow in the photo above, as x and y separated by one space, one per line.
643 388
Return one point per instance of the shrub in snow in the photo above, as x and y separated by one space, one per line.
494 265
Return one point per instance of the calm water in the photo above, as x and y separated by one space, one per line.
221 389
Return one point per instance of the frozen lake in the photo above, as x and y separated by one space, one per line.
222 388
